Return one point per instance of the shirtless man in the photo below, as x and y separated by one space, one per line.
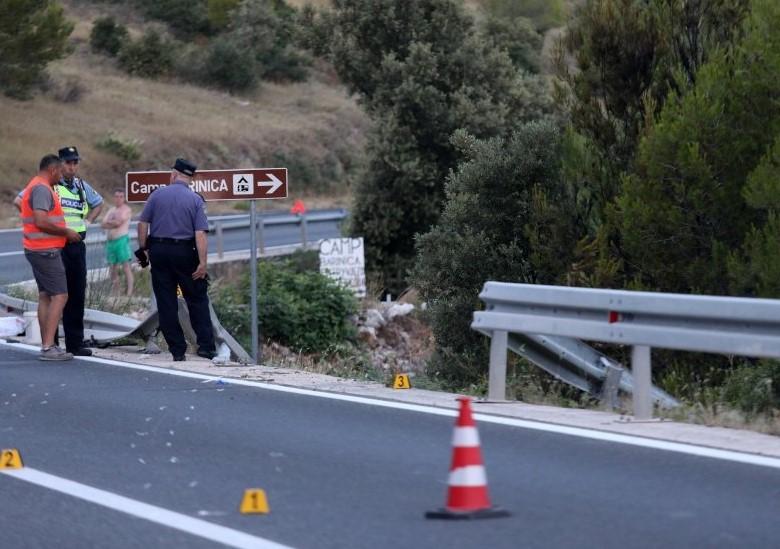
117 225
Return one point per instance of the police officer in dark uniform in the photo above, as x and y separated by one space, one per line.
172 233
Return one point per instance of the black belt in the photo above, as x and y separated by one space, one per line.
163 240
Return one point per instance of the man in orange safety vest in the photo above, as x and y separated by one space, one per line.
44 234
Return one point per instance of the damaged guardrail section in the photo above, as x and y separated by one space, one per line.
549 316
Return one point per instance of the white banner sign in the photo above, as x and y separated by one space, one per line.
343 259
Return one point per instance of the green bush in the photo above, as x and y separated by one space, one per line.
149 56
107 36
184 17
754 388
268 31
508 217
218 12
422 71
229 66
126 149
518 38
303 310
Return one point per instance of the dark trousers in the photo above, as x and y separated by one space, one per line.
74 257
172 265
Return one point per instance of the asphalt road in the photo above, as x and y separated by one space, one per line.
338 474
14 267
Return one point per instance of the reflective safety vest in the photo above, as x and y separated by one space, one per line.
33 238
75 207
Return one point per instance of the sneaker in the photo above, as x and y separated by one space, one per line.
54 353
178 358
83 351
206 354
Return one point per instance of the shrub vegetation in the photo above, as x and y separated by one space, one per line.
151 55
301 309
508 217
107 36
422 70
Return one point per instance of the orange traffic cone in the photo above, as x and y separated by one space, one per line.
467 495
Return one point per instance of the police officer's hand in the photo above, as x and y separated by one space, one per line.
200 272
143 257
72 236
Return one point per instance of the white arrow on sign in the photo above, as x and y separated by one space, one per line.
274 183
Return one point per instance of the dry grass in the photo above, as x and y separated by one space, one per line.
321 3
170 119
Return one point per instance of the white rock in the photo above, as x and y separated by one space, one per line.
374 319
368 330
399 309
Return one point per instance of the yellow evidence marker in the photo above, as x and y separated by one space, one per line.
10 459
402 382
254 502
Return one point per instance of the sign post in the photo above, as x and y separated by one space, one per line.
244 184
256 349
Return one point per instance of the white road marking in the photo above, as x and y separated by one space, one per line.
655 444
152 513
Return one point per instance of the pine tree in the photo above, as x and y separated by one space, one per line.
691 202
32 34
623 61
629 56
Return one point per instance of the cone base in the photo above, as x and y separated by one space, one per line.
448 514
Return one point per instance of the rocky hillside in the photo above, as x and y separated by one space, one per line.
107 114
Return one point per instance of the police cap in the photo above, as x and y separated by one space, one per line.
185 166
68 153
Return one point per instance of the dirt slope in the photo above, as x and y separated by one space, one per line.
297 126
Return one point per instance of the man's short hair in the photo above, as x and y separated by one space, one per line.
49 160
118 190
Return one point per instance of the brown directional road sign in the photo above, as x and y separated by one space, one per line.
249 184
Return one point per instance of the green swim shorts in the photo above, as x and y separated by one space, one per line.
118 251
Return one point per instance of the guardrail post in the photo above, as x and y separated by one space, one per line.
610 385
304 231
497 372
640 367
220 241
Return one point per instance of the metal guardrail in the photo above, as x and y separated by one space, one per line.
98 324
710 324
219 225
577 364
103 327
